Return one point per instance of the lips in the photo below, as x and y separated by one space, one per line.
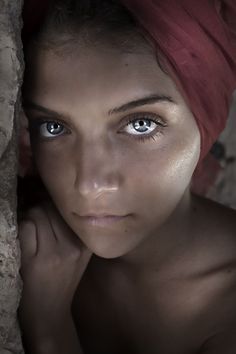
103 215
100 219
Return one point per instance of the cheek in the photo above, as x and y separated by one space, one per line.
153 172
55 169
164 172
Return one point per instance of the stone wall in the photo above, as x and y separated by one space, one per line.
10 80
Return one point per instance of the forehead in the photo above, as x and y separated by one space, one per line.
95 72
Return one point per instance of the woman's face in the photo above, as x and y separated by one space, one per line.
113 141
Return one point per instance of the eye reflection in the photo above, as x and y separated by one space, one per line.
138 126
141 126
50 129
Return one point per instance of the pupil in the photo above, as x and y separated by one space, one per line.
53 127
142 125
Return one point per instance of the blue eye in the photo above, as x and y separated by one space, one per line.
51 129
144 125
141 126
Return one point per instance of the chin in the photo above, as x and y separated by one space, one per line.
109 241
108 247
107 252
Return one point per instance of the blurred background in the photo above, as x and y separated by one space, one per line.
224 188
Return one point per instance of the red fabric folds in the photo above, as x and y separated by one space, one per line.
197 40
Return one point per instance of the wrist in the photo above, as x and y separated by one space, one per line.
40 321
59 339
41 328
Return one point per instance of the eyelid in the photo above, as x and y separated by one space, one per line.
128 119
44 119
144 115
36 123
161 124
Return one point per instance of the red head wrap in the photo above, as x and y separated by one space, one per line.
197 39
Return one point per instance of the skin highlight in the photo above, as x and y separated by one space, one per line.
109 170
112 135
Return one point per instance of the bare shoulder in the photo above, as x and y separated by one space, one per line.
213 278
221 343
215 214
215 226
216 242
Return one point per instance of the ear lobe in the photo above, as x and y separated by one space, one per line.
25 164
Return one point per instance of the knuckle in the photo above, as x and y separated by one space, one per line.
70 254
36 210
55 260
75 254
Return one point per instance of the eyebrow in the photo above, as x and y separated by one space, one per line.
151 99
34 106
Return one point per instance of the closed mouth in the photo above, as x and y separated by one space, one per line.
100 219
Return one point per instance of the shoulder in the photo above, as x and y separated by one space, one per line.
213 213
221 309
221 343
215 251
214 279
215 226
208 297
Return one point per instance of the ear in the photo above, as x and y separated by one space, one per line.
25 161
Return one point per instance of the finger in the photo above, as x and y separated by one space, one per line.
67 238
63 233
46 240
27 238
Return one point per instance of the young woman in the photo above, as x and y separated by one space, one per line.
124 100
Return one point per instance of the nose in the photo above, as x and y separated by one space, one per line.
97 172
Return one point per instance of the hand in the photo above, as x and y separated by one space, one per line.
53 262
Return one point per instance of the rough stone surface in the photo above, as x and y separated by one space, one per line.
10 81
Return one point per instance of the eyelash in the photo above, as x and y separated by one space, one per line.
35 124
150 117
